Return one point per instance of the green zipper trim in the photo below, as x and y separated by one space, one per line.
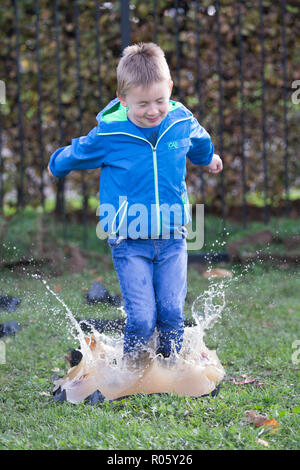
122 218
156 188
154 157
118 112
187 215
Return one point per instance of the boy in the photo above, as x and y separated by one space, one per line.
141 143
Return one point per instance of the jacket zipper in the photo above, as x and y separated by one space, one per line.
122 218
154 157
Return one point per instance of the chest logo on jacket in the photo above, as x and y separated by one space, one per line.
172 145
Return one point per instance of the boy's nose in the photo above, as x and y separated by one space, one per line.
152 110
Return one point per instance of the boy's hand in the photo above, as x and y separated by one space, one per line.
50 172
216 165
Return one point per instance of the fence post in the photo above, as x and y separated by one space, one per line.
242 113
125 23
221 117
263 112
60 188
98 52
39 104
80 112
178 61
286 129
20 184
155 20
199 86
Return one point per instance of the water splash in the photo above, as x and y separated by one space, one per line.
205 309
80 334
195 370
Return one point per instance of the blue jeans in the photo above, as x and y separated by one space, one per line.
153 280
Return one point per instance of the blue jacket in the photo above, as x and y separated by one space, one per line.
142 187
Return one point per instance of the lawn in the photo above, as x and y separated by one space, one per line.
254 339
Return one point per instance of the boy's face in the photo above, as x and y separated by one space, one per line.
147 107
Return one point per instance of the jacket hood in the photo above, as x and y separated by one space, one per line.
114 112
108 109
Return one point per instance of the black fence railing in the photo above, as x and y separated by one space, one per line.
232 63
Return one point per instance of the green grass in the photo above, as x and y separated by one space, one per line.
254 337
31 233
217 236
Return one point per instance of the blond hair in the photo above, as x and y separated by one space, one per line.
141 64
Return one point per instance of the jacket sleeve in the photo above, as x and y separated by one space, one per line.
201 148
84 153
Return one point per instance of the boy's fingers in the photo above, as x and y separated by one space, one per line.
216 170
50 172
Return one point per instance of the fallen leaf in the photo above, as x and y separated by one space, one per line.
57 288
260 420
245 382
256 418
218 272
272 424
262 442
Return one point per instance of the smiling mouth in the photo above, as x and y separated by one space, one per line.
153 119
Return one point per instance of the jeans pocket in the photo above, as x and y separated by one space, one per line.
115 242
183 232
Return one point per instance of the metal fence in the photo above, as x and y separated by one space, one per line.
200 38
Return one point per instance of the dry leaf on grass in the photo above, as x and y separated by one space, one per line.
45 394
272 424
260 420
255 418
244 382
218 272
262 442
247 380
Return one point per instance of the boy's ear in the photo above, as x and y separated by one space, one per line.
122 99
171 87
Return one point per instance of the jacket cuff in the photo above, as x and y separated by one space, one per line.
55 172
209 157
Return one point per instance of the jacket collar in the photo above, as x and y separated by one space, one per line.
113 118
